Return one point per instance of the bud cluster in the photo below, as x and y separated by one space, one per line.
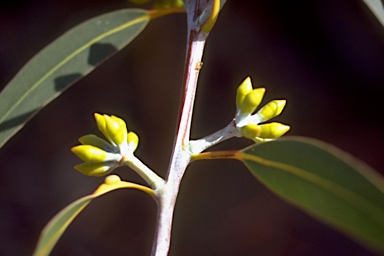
247 100
100 156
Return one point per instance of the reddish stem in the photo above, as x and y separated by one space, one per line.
166 196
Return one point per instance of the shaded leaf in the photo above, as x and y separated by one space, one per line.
60 64
56 227
325 182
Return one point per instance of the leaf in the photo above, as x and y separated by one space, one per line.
56 227
325 182
376 7
63 62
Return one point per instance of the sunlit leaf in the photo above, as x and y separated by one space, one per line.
60 64
56 227
325 182
376 7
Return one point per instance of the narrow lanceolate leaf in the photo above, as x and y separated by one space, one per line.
376 7
60 64
56 227
325 182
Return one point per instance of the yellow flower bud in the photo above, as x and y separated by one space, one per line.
178 3
251 101
244 88
133 140
94 169
160 4
121 122
272 109
89 153
95 141
250 131
116 129
102 125
112 179
273 130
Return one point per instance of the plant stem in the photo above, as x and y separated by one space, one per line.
145 172
198 146
181 156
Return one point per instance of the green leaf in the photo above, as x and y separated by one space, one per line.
56 227
376 7
60 64
325 182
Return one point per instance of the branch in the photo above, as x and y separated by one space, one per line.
181 156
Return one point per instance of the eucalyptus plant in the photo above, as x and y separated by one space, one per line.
307 173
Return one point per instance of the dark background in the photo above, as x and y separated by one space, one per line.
325 57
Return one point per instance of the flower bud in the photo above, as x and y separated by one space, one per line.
102 125
95 141
133 141
160 4
116 129
273 130
89 153
272 109
244 88
250 131
178 3
112 179
121 122
251 101
93 169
